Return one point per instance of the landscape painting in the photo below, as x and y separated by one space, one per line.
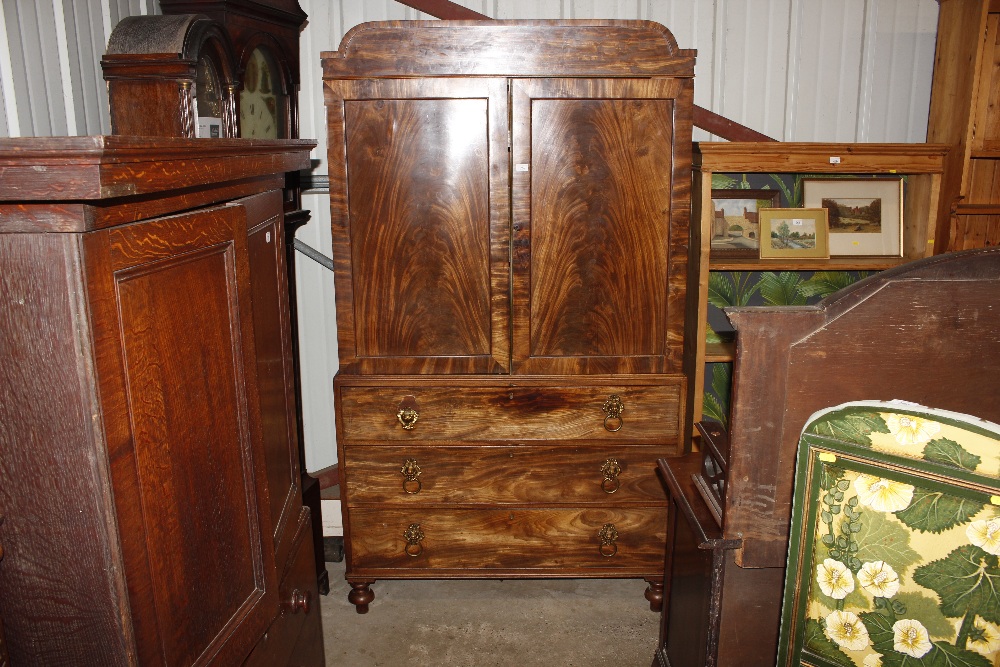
865 214
736 220
794 233
853 215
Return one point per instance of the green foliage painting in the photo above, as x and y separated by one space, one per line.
902 565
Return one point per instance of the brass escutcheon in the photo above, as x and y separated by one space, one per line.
407 417
411 473
611 470
613 407
608 536
413 536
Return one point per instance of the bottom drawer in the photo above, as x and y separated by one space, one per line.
517 542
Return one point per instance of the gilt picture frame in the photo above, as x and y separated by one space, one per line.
865 214
794 233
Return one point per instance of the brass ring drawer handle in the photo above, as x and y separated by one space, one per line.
411 476
611 470
408 417
413 536
613 407
608 536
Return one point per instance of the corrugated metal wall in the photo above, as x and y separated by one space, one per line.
796 70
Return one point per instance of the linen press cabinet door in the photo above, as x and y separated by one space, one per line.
174 343
419 202
601 207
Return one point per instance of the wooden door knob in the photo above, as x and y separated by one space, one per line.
299 601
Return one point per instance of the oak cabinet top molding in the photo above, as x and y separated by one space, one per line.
508 48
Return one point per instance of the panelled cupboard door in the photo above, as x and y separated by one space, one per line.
174 342
419 174
275 380
600 207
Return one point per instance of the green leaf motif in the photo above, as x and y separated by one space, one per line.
949 452
711 336
815 641
882 538
966 580
727 288
925 609
781 289
723 182
935 512
855 427
825 283
711 409
941 655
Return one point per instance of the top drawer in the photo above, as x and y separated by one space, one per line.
478 408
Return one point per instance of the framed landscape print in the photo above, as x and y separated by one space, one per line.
793 233
735 221
865 214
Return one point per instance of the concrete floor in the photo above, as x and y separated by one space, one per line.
515 623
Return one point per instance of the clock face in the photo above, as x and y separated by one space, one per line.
208 99
262 102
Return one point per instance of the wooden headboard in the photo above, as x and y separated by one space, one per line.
927 332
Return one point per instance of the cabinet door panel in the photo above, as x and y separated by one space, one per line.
601 209
275 373
195 533
418 182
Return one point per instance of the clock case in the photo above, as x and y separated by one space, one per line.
151 64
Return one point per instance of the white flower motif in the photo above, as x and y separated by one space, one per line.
985 638
883 495
909 430
879 579
847 630
873 660
985 534
834 578
909 636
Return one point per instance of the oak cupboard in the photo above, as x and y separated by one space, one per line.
510 205
147 388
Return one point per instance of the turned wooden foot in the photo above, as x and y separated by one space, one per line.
654 593
361 595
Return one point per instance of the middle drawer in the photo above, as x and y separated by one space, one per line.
516 474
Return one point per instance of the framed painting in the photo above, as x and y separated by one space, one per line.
895 538
736 223
865 214
794 233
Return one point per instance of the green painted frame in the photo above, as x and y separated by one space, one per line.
837 449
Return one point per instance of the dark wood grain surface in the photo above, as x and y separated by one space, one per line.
594 226
182 325
507 541
480 408
510 205
499 475
419 205
275 371
130 388
585 47
52 615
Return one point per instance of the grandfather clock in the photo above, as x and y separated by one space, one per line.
168 75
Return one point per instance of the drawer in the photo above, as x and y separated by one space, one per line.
536 474
485 409
516 542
